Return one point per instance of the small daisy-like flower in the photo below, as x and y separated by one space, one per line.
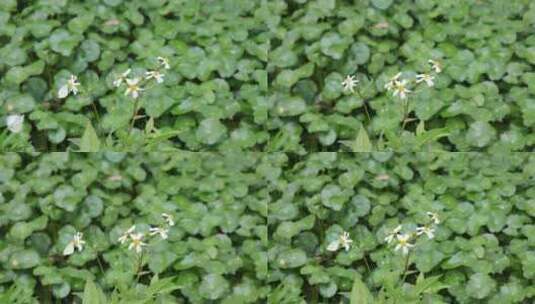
391 84
156 75
117 82
164 62
434 217
168 218
132 87
345 241
428 79
429 231
342 241
70 87
403 243
124 237
136 242
163 232
350 83
15 122
77 243
435 65
400 89
393 234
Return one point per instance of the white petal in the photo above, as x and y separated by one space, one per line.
333 246
15 122
63 91
69 249
132 82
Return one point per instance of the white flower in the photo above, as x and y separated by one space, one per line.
168 219
133 88
164 62
434 217
400 89
163 232
394 233
15 122
345 241
334 245
391 84
350 83
124 237
70 87
75 243
117 82
136 242
428 79
430 232
342 241
156 75
403 243
435 65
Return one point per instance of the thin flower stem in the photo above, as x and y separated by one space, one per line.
406 268
405 114
367 265
134 115
95 110
100 264
139 267
136 106
365 106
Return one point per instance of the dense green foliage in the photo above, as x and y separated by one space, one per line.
217 51
257 227
266 75
484 246
482 100
216 251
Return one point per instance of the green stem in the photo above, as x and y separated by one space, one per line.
365 106
367 264
100 265
405 271
95 110
405 114
139 267
134 115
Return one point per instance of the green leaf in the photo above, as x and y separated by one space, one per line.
24 259
360 294
480 134
361 143
89 141
382 4
93 294
480 286
290 107
333 45
292 258
430 136
211 131
213 286
63 42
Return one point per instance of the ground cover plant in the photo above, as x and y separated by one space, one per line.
194 69
380 227
277 75
134 228
274 228
482 99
